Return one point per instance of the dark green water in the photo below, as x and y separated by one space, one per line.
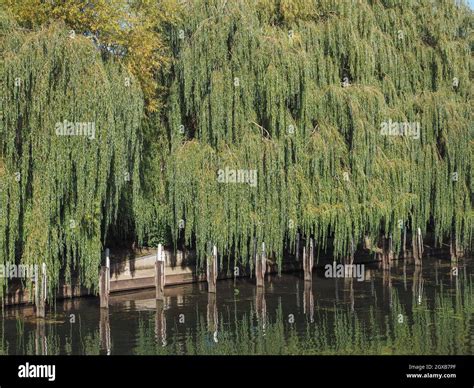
401 311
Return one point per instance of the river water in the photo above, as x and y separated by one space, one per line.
406 310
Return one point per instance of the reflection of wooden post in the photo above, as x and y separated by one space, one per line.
417 287
308 301
308 260
160 323
104 280
352 295
405 274
387 278
41 291
212 317
260 267
387 282
261 306
212 271
41 343
159 273
104 331
350 282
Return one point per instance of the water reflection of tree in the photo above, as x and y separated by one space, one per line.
435 323
405 329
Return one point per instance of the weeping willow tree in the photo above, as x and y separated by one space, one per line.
69 146
353 116
340 120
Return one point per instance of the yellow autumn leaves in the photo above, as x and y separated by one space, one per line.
128 29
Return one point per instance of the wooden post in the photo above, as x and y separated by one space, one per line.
367 243
305 270
405 242
387 254
258 270
390 248
212 271
455 249
261 266
417 240
107 265
452 248
297 247
352 250
414 247
420 243
308 260
104 280
160 274
41 291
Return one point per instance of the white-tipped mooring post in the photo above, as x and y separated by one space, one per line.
104 280
387 251
261 266
211 271
455 248
417 246
308 261
41 291
160 273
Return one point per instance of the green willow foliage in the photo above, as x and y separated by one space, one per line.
299 94
58 193
296 91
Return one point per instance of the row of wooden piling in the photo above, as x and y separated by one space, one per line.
211 271
386 253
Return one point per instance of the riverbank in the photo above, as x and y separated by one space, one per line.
407 310
135 270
